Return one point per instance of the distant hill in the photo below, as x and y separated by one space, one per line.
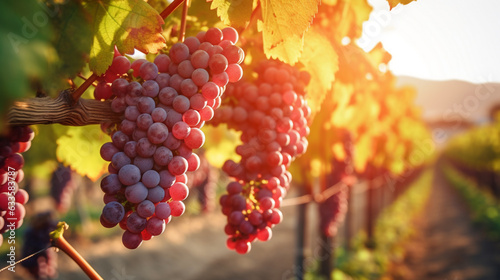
448 100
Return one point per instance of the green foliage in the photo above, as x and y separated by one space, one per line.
477 148
72 41
25 47
235 13
485 208
128 24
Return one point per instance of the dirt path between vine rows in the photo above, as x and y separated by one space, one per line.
192 248
448 245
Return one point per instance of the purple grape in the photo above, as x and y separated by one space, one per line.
185 69
130 149
163 80
156 194
162 210
131 240
111 184
146 104
131 113
163 156
113 212
136 192
108 150
155 226
167 95
145 209
119 160
144 164
157 133
148 71
172 118
166 179
144 121
145 148
150 179
136 223
150 88
119 139
178 165
119 87
159 114
200 77
181 104
129 175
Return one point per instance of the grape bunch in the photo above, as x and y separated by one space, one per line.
164 109
332 212
62 188
12 199
35 238
272 115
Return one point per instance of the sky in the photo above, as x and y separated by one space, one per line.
438 39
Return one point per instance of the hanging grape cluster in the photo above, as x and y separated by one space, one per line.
62 188
272 114
164 107
12 199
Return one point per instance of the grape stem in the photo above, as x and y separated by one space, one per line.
170 9
60 242
182 32
83 87
63 110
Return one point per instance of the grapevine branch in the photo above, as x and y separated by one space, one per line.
63 110
60 242
171 8
83 87
182 32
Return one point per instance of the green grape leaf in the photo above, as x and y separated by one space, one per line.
24 48
394 3
72 37
283 26
321 61
128 24
233 12
79 146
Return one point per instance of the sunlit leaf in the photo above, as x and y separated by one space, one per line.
128 24
283 26
233 12
321 61
79 148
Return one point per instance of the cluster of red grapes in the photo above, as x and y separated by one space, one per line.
332 212
272 115
62 188
164 109
36 238
12 199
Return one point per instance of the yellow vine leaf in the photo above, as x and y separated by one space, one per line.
283 26
79 148
321 61
233 12
394 3
128 24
